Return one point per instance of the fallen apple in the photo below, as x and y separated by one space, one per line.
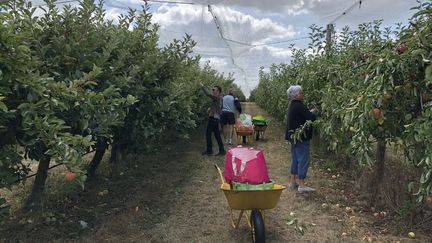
411 235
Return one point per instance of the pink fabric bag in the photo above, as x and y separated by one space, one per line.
246 165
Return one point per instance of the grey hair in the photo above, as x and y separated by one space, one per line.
293 91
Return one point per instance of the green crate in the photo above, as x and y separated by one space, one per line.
251 187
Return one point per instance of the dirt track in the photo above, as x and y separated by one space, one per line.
174 196
197 210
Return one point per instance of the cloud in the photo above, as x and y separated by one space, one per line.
173 16
113 14
234 25
293 7
385 9
216 62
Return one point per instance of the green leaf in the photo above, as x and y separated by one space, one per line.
3 106
291 222
425 177
131 100
428 73
411 186
419 52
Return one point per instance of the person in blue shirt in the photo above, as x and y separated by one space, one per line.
230 104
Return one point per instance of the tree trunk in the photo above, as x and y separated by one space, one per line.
378 173
113 156
35 199
101 147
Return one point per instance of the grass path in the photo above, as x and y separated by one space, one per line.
174 196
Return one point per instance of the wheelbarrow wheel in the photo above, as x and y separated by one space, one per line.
258 229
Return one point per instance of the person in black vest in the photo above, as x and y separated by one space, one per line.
297 116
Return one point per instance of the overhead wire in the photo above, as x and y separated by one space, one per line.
56 3
171 2
282 41
348 10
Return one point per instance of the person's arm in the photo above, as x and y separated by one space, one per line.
207 92
307 114
287 125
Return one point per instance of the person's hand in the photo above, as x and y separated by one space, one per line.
313 110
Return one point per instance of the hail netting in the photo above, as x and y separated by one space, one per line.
220 35
232 41
240 36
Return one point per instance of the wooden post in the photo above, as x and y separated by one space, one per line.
329 32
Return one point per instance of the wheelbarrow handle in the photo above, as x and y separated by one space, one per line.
220 174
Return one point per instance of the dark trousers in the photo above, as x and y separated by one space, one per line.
213 126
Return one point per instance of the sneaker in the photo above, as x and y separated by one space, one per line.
220 153
293 185
305 189
206 153
230 142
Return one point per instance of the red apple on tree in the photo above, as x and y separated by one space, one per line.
403 47
429 199
375 113
69 176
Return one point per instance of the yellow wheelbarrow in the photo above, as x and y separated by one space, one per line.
253 201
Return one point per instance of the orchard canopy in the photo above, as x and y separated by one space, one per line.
74 82
372 86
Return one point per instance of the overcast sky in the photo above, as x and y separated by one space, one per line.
248 27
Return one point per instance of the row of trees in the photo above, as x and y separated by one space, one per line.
72 81
372 88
